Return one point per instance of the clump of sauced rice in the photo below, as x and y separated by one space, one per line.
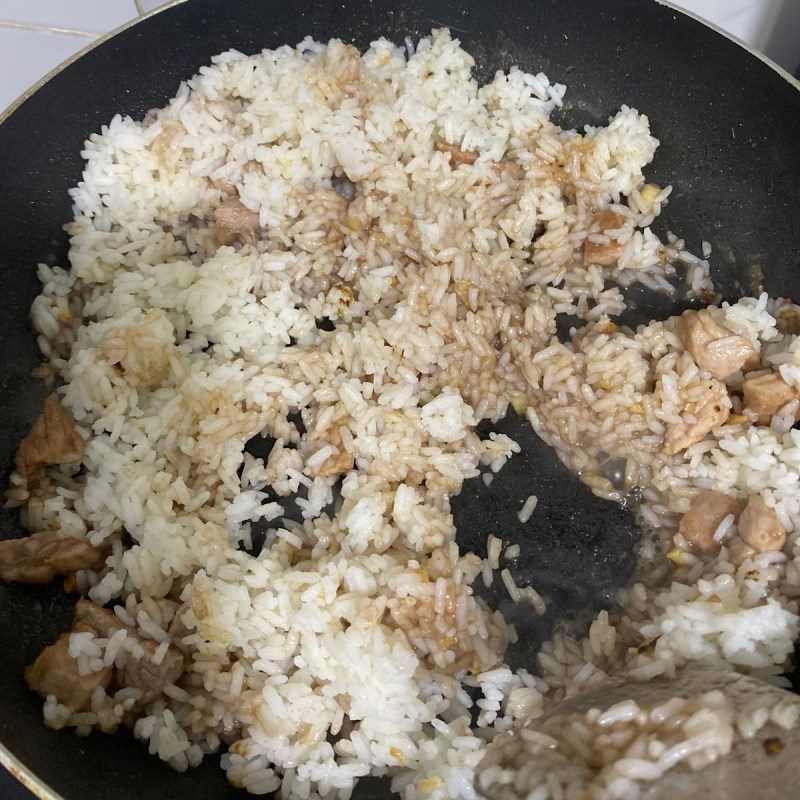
416 236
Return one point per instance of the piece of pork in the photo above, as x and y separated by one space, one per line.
102 621
40 557
766 395
137 673
459 156
699 524
56 672
151 678
760 527
713 347
53 439
709 413
233 220
739 551
604 254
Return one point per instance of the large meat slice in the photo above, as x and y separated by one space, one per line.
138 673
56 672
713 347
232 220
40 557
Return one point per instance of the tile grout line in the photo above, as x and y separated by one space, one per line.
25 26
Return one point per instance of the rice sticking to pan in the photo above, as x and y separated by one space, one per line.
359 257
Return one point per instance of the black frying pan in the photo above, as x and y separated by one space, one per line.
730 129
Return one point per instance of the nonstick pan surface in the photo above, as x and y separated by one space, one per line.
729 124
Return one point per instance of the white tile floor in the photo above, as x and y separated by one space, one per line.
96 16
36 35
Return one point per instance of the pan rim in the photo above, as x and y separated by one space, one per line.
8 760
784 73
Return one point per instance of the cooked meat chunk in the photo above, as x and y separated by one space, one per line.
457 155
704 516
709 413
739 551
53 439
102 621
752 364
151 678
232 219
759 526
137 673
56 672
337 464
712 346
604 254
40 557
766 395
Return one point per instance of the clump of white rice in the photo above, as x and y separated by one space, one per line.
344 647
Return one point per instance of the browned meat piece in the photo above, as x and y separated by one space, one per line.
137 673
704 516
102 621
53 439
766 395
739 551
40 557
709 413
606 254
457 155
337 464
142 673
56 672
713 347
752 364
759 526
233 219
